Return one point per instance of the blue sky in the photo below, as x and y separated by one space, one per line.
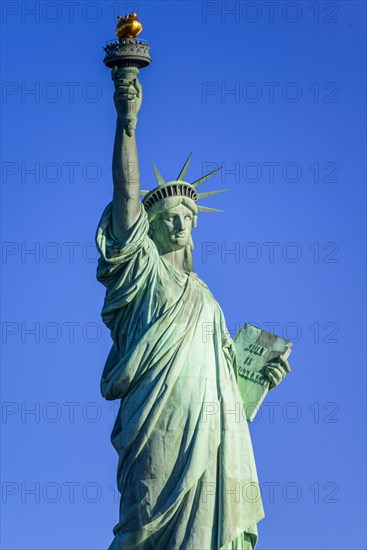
275 94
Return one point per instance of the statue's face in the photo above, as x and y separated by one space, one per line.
173 228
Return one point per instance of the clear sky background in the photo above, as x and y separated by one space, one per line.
275 93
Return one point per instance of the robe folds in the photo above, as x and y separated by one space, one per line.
186 470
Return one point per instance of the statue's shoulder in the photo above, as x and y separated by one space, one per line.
199 281
208 293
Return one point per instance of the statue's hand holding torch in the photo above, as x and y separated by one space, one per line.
125 57
127 97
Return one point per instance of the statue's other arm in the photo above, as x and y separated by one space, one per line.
125 164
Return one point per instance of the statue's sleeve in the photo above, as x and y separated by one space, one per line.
124 266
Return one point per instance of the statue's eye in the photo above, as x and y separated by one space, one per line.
188 217
169 218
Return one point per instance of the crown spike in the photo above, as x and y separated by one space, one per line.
204 178
144 191
210 193
160 180
207 209
182 174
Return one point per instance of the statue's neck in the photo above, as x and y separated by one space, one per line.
176 259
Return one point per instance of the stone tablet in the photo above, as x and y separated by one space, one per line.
255 348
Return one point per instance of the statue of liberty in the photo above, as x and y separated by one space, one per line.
187 477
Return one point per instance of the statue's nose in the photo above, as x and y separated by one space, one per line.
180 222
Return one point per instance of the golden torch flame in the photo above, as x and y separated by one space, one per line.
128 26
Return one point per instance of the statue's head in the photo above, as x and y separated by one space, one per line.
170 223
172 212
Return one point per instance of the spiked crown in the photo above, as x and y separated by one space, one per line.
179 188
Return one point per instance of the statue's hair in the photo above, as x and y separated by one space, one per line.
155 212
170 202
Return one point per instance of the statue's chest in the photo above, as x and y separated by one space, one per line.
171 290
167 293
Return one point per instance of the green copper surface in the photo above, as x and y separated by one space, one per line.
186 469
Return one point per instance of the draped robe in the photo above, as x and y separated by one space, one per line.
186 470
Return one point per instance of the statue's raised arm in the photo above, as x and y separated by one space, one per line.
125 164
